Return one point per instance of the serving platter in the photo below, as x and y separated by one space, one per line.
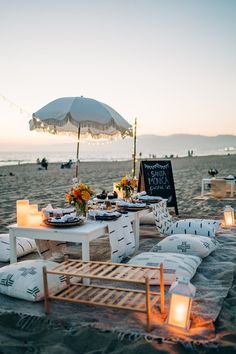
107 217
149 201
64 224
128 208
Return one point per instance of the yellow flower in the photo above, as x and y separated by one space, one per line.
85 195
82 186
124 181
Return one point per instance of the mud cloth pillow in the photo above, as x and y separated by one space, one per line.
194 245
24 280
195 226
175 265
23 246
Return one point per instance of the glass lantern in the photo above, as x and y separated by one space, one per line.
182 293
228 216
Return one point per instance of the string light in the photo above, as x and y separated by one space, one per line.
13 104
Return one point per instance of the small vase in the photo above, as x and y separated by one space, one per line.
127 195
81 209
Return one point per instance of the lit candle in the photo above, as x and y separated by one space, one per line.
22 211
34 219
33 208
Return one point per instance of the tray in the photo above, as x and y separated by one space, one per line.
149 201
64 224
107 217
131 208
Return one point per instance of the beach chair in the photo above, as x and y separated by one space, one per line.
167 226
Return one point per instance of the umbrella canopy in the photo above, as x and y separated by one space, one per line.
67 114
80 116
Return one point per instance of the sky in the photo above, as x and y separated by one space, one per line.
170 63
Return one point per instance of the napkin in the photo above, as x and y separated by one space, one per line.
230 177
94 213
49 211
149 197
141 193
65 219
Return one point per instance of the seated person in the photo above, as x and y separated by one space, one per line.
67 164
44 163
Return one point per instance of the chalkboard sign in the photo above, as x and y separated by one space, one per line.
156 178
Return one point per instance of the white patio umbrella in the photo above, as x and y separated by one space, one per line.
80 116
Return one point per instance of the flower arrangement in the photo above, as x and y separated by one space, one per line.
79 196
127 184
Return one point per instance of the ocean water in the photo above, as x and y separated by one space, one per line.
9 158
23 157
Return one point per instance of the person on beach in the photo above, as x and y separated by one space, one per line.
67 164
44 163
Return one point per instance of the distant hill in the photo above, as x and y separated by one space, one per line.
180 144
176 144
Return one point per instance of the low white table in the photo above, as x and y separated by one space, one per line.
206 181
83 234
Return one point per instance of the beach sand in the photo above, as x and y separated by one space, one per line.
43 187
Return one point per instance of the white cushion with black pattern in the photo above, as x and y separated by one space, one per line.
175 265
194 245
24 280
201 227
121 237
162 217
166 226
23 246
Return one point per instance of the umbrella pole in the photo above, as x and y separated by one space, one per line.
134 147
77 155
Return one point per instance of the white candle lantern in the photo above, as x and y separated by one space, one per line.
182 293
22 211
229 216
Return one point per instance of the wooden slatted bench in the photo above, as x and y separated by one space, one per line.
97 294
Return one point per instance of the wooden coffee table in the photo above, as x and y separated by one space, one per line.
107 295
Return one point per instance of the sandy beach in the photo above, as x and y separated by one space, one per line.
43 187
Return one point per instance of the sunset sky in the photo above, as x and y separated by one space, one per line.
170 63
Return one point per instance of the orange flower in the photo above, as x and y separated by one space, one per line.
79 194
133 183
85 195
68 197
76 192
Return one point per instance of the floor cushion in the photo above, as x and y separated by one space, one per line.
147 219
175 265
194 245
195 226
24 280
23 246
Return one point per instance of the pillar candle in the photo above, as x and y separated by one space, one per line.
22 211
34 219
